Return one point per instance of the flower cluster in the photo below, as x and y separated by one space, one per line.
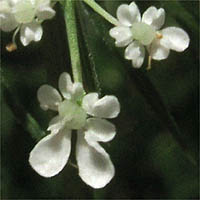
86 114
138 32
26 16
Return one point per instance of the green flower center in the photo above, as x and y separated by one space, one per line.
73 114
144 33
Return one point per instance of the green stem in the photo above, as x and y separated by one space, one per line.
70 20
101 11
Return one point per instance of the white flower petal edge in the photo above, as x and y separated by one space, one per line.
7 22
128 14
48 97
95 166
122 35
68 89
154 17
51 154
65 85
88 102
30 32
99 130
56 124
175 38
135 52
45 12
157 51
106 107
77 91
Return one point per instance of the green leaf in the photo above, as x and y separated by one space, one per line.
149 164
22 116
167 157
101 52
154 106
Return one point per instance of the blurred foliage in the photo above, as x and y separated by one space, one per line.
155 151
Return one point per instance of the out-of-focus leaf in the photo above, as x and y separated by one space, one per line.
164 87
186 17
149 164
21 115
100 51
94 58
62 2
170 162
24 71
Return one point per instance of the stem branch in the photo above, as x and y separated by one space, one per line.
101 11
70 20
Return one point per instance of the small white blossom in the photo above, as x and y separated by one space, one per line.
139 32
84 113
26 15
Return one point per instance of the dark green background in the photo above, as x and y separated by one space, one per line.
155 151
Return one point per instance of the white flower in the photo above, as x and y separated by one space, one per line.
84 113
138 32
26 15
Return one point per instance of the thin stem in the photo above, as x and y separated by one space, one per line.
73 165
149 58
70 20
101 11
13 46
14 35
149 63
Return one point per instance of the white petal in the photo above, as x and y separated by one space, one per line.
48 97
51 154
128 14
7 22
106 107
95 166
24 11
13 2
68 89
77 91
44 9
30 32
175 38
65 85
135 52
122 35
45 12
88 102
4 7
157 51
99 130
56 124
154 17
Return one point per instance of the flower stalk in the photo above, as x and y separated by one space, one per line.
101 11
70 20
